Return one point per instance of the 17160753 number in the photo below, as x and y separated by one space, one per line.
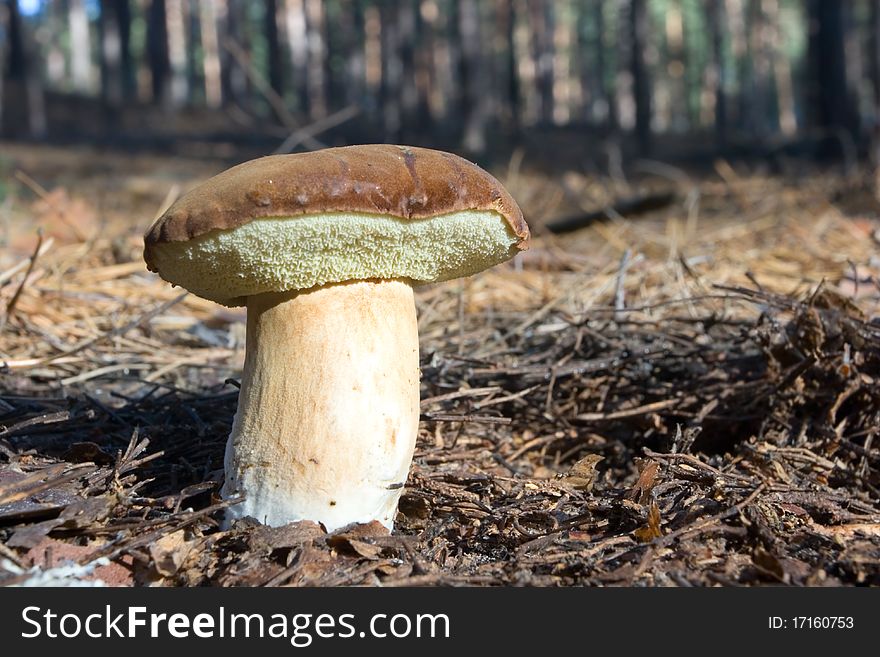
811 623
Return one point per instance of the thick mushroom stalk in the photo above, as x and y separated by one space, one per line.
328 410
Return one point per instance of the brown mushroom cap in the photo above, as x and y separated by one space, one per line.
401 181
392 182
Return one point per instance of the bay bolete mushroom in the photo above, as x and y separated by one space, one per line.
324 249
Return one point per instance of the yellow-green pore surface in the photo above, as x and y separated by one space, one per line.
296 253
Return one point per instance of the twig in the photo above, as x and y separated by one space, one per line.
12 271
459 394
10 307
300 135
450 417
620 284
629 412
46 418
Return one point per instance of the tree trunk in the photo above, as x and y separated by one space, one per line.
425 77
111 54
676 115
854 65
781 70
605 91
157 52
476 97
298 50
193 39
273 47
12 65
373 72
389 88
317 75
80 47
541 17
736 30
208 30
875 58
233 77
641 81
353 49
758 112
16 62
715 19
409 37
176 16
123 21
117 74
22 106
335 42
874 126
831 97
585 70
507 88
57 73
615 41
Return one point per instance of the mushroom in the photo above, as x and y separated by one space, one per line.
324 249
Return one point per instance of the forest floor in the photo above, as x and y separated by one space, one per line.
689 396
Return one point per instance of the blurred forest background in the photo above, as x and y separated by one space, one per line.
650 77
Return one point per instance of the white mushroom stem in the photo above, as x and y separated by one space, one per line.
328 410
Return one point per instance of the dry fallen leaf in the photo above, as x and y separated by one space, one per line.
768 563
652 530
169 553
348 539
582 474
641 492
